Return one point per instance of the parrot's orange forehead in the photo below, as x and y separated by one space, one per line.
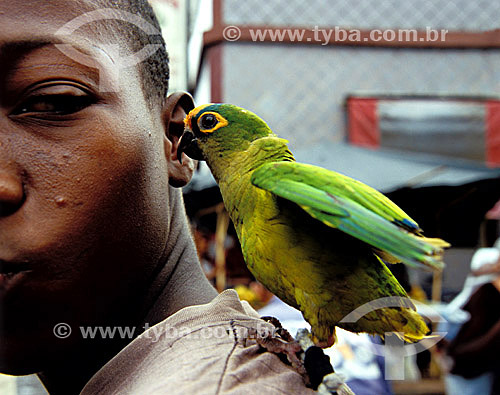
193 113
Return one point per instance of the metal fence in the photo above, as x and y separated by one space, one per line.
300 90
468 15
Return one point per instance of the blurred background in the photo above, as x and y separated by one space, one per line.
414 113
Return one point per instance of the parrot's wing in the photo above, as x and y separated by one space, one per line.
352 207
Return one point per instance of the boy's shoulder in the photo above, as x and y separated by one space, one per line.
207 348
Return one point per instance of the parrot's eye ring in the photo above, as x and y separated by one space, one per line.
208 121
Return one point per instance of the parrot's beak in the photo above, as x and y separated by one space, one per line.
189 145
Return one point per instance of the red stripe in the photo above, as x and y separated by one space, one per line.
493 133
363 122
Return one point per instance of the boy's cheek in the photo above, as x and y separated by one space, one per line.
78 193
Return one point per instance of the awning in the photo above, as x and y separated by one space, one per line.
388 170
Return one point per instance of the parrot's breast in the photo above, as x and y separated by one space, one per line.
320 270
290 252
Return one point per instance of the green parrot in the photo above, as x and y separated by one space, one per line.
313 237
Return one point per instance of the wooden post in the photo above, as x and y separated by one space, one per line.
437 285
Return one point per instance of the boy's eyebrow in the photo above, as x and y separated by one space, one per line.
13 51
17 48
21 47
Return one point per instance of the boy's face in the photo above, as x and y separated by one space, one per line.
83 188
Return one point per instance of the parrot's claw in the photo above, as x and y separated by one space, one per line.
334 383
306 340
282 343
305 357
280 346
318 366
322 344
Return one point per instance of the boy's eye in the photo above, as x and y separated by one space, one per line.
54 104
54 100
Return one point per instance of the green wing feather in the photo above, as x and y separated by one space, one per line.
352 207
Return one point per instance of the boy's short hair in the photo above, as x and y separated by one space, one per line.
154 70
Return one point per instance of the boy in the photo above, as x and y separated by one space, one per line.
93 232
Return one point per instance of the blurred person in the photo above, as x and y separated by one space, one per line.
474 337
203 241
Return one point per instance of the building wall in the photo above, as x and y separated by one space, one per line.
300 89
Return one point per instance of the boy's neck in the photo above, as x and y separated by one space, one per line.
180 283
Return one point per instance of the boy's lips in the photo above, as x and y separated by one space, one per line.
10 270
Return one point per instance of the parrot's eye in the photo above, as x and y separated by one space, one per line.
208 121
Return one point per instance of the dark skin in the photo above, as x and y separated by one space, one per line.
90 222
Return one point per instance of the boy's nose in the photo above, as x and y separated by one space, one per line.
11 193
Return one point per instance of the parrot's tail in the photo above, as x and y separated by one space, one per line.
439 243
429 257
413 330
404 322
434 260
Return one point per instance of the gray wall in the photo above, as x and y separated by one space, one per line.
300 90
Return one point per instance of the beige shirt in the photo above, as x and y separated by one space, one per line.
205 349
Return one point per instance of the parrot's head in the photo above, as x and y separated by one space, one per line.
219 130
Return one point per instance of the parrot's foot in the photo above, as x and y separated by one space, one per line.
279 346
282 343
324 344
319 368
308 359
334 383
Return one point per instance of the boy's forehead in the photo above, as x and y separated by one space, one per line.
48 21
58 25
49 14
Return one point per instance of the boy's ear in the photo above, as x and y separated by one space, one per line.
176 107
